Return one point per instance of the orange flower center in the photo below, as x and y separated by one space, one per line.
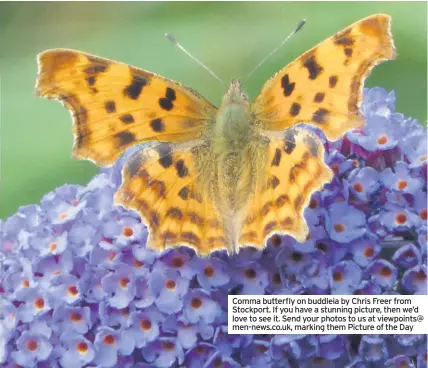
209 271
196 303
124 281
386 271
170 284
382 139
368 252
52 247
340 228
338 276
109 340
75 317
72 290
82 347
168 345
358 187
177 262
400 218
32 345
145 325
127 231
39 303
401 184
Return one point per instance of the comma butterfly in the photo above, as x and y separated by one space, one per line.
218 177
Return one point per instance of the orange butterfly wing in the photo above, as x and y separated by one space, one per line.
115 106
323 87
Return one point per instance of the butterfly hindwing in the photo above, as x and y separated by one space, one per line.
116 106
323 87
161 184
295 168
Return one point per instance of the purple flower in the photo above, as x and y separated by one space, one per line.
395 218
198 355
345 223
373 349
49 243
415 280
400 179
187 334
363 183
77 350
398 362
176 259
252 277
198 305
211 272
32 347
365 249
383 273
163 352
257 354
169 289
380 133
72 319
144 326
217 360
407 256
344 277
227 344
414 148
120 286
108 344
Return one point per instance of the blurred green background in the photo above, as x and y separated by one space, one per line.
230 37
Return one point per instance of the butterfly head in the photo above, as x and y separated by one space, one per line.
235 95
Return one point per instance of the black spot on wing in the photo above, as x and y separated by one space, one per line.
184 193
91 80
175 213
295 109
166 102
127 118
274 182
344 38
276 158
289 141
313 67
164 151
157 125
95 68
134 89
110 106
287 86
125 138
332 81
319 116
319 97
181 168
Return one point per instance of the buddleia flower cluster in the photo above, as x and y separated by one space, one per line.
79 288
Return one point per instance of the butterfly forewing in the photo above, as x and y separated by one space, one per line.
323 87
116 106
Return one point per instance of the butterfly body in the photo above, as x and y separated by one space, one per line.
218 178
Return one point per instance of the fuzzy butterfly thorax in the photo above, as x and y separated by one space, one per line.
218 178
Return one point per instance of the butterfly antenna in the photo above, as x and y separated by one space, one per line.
299 26
176 43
